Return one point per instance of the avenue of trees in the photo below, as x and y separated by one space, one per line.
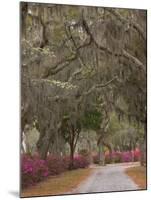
82 69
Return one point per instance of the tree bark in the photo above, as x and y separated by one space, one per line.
43 145
71 156
101 154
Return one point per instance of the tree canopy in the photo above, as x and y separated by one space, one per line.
80 64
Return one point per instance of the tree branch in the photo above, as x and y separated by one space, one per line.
93 88
69 35
124 53
59 66
133 24
65 62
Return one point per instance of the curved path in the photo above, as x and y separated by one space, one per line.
108 178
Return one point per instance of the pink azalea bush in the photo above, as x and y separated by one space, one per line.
57 164
117 157
127 156
108 158
33 169
137 154
80 162
96 159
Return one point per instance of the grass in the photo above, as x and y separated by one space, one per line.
138 174
60 184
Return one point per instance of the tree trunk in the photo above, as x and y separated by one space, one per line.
71 156
90 151
101 154
109 148
43 146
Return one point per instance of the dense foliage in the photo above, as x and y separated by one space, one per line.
92 120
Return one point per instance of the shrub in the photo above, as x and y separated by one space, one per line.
108 158
66 162
85 153
33 170
127 156
80 162
57 164
137 155
116 157
96 159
